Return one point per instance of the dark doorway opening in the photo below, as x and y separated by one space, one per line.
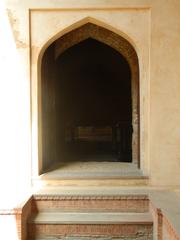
86 104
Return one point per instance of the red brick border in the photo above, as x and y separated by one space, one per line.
105 203
90 229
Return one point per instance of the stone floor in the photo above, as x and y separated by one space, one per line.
93 168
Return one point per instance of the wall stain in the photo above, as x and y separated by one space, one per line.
15 29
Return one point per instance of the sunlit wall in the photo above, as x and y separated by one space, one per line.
14 117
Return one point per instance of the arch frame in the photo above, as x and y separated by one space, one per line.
120 43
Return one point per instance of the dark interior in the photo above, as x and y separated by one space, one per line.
86 104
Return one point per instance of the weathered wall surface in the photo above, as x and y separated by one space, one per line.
151 26
130 23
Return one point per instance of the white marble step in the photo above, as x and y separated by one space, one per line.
56 217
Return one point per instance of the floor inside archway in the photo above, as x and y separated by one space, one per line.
89 168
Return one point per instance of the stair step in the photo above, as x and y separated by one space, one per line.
93 181
90 226
90 200
55 217
43 237
66 214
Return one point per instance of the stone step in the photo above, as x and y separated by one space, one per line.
57 217
44 201
86 224
92 173
86 181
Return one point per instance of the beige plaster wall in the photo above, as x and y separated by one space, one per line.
152 26
59 22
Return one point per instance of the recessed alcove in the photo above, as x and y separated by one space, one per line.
89 95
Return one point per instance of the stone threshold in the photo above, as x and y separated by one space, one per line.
59 217
91 169
90 182
94 173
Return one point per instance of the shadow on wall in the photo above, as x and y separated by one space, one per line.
87 84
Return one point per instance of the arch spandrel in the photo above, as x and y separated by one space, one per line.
90 30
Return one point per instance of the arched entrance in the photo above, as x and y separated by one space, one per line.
89 90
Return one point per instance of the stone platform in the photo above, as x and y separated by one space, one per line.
92 173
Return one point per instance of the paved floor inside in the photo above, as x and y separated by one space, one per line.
92 168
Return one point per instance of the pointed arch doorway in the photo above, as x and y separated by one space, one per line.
90 99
